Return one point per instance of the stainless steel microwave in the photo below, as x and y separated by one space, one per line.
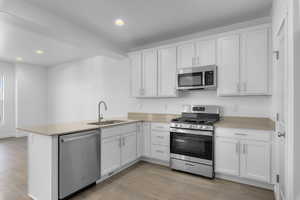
196 78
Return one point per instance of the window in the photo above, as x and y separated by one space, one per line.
2 84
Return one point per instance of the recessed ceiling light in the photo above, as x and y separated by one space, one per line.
119 22
39 51
19 58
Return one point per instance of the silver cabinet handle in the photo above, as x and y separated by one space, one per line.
244 148
123 141
161 137
198 60
241 134
120 142
159 151
237 147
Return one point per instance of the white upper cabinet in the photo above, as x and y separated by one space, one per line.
205 52
228 65
167 71
255 62
243 63
149 73
136 73
186 55
196 53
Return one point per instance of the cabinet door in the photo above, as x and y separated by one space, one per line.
227 156
136 73
147 139
110 155
140 140
206 52
255 160
167 71
255 62
128 149
228 65
186 55
149 73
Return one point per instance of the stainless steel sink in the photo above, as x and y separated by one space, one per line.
106 122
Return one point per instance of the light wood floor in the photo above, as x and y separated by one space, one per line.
143 181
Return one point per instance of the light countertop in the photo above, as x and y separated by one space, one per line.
66 128
226 122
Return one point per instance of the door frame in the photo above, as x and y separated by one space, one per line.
285 26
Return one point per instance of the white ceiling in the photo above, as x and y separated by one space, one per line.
149 21
21 40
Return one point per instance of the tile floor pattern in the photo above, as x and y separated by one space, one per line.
143 181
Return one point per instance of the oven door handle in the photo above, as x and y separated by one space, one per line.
193 132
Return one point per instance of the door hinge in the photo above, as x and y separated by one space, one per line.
276 54
277 178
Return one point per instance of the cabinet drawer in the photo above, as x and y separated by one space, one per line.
160 152
118 130
160 126
246 134
160 138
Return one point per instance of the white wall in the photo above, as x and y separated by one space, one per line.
231 106
31 95
7 129
76 88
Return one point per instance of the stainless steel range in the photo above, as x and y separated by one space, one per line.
192 140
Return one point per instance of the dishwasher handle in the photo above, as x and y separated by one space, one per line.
78 137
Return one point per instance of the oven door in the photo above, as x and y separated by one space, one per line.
196 146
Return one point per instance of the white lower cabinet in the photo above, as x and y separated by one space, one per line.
255 160
118 148
129 147
160 141
146 131
238 154
227 156
110 155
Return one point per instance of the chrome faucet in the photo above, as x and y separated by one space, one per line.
100 115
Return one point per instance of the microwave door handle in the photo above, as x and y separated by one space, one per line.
203 78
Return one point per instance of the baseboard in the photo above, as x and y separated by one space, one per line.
155 161
103 178
246 181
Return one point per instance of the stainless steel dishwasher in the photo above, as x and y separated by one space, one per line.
79 161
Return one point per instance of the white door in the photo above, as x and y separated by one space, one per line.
229 65
110 154
255 160
136 73
147 139
255 62
186 55
206 52
167 71
281 94
128 149
227 155
149 73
